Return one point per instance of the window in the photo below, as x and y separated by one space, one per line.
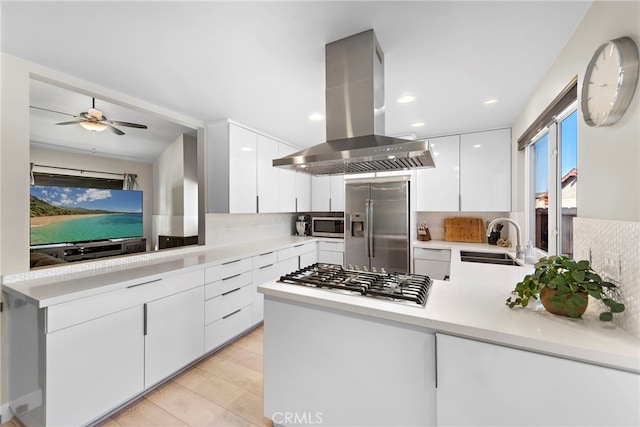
552 184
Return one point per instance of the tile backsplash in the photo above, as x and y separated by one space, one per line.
599 236
226 229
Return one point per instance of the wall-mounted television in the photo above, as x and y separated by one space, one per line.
73 215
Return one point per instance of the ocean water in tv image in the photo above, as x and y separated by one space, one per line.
98 227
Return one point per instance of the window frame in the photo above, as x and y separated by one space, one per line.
554 181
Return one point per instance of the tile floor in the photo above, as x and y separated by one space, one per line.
223 390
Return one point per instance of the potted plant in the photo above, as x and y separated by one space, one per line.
564 286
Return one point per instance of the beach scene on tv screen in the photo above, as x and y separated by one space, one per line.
69 214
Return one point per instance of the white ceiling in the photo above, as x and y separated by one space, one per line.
262 63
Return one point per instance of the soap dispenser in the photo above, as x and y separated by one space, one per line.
528 254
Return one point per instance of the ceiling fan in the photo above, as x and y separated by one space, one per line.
95 121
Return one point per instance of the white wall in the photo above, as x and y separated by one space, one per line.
608 158
64 159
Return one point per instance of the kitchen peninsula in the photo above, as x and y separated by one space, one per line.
463 359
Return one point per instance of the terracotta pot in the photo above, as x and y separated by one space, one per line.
546 293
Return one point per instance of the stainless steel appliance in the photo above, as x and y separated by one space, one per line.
377 224
354 70
410 289
327 226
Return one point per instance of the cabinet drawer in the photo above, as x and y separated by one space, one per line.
265 274
296 250
145 290
223 330
331 246
220 287
432 254
330 257
265 259
227 269
225 304
434 269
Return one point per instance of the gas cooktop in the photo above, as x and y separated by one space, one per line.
399 287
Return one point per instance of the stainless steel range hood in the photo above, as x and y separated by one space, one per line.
355 117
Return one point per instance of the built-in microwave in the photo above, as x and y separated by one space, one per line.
327 226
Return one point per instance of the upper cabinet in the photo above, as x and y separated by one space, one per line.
267 175
439 187
242 170
472 173
241 177
485 171
327 193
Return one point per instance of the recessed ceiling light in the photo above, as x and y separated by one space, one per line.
406 99
417 124
316 116
477 146
490 101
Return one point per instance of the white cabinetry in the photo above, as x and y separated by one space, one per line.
95 353
267 175
303 192
320 345
327 193
294 257
92 367
485 172
242 170
286 182
264 270
229 295
482 384
472 173
169 321
241 177
435 263
331 252
439 187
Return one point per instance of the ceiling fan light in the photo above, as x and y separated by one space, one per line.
94 126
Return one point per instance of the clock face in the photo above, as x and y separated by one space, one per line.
604 83
609 82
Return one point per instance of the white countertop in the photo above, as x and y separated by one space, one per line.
46 291
472 304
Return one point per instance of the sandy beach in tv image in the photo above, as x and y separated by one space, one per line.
70 214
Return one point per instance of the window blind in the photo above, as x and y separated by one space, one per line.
560 103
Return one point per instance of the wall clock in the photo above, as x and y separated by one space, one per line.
609 82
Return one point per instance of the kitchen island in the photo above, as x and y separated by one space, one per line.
464 358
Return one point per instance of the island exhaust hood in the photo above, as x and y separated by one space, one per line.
355 117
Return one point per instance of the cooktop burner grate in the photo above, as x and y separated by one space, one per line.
392 286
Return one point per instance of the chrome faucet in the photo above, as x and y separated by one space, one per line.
519 250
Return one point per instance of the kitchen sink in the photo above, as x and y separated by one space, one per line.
488 258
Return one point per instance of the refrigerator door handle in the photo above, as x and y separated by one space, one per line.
372 253
367 248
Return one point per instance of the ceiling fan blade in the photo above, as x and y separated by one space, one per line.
113 129
73 122
51 111
131 125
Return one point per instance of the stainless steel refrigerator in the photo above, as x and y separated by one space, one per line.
377 224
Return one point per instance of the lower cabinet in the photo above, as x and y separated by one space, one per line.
170 321
264 270
435 263
228 307
331 252
90 368
481 384
73 362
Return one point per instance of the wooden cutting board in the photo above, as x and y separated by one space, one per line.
463 230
